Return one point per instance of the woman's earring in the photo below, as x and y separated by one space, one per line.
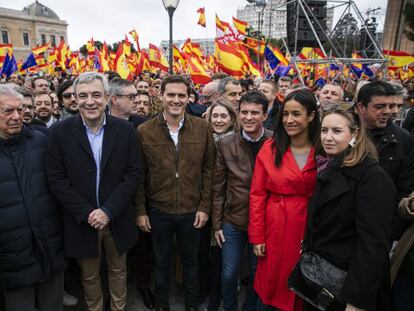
352 143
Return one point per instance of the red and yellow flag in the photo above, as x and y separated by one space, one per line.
398 58
253 43
121 64
135 36
229 59
41 49
5 49
197 70
156 58
90 47
241 26
311 53
202 17
179 56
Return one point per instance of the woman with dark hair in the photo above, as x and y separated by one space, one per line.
283 181
349 215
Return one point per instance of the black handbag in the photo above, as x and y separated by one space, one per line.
317 281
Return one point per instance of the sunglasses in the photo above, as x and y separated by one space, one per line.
68 95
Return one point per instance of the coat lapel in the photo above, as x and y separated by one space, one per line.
333 187
109 139
79 132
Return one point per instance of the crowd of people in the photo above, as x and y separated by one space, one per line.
109 175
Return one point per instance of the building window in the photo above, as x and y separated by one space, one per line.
53 40
5 36
43 38
26 41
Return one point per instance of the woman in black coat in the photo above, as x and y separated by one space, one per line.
350 212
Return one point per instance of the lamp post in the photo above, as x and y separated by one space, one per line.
170 6
259 6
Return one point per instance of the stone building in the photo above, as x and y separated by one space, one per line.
34 25
394 36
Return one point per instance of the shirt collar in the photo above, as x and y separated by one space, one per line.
180 124
249 139
89 129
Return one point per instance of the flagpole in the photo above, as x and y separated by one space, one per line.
294 61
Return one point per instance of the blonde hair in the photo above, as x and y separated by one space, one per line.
235 126
363 147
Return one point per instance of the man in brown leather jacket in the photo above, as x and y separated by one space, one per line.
232 176
175 198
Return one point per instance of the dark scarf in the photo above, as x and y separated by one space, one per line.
325 164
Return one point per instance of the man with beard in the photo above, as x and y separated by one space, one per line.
143 104
28 111
66 96
44 108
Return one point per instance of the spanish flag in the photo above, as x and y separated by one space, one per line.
253 43
90 47
311 53
121 64
4 50
229 59
241 26
135 36
178 56
202 17
197 70
398 58
157 58
41 49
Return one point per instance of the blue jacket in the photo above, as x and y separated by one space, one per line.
31 240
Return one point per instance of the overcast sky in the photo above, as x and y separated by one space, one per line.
110 20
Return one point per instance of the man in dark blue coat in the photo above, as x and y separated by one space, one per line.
31 241
93 170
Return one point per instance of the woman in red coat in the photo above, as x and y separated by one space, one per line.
283 181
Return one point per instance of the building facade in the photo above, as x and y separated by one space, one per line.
272 18
394 37
206 45
34 25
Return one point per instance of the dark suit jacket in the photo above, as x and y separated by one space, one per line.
349 219
72 172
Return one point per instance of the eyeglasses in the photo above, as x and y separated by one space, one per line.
130 96
68 95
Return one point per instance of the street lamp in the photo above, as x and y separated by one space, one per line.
259 6
170 6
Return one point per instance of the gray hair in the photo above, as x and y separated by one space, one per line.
115 87
89 77
399 89
7 91
223 83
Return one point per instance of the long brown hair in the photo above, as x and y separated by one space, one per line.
363 146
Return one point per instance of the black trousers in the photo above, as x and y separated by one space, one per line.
164 228
141 259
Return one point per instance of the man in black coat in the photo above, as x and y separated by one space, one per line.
31 241
93 170
394 145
